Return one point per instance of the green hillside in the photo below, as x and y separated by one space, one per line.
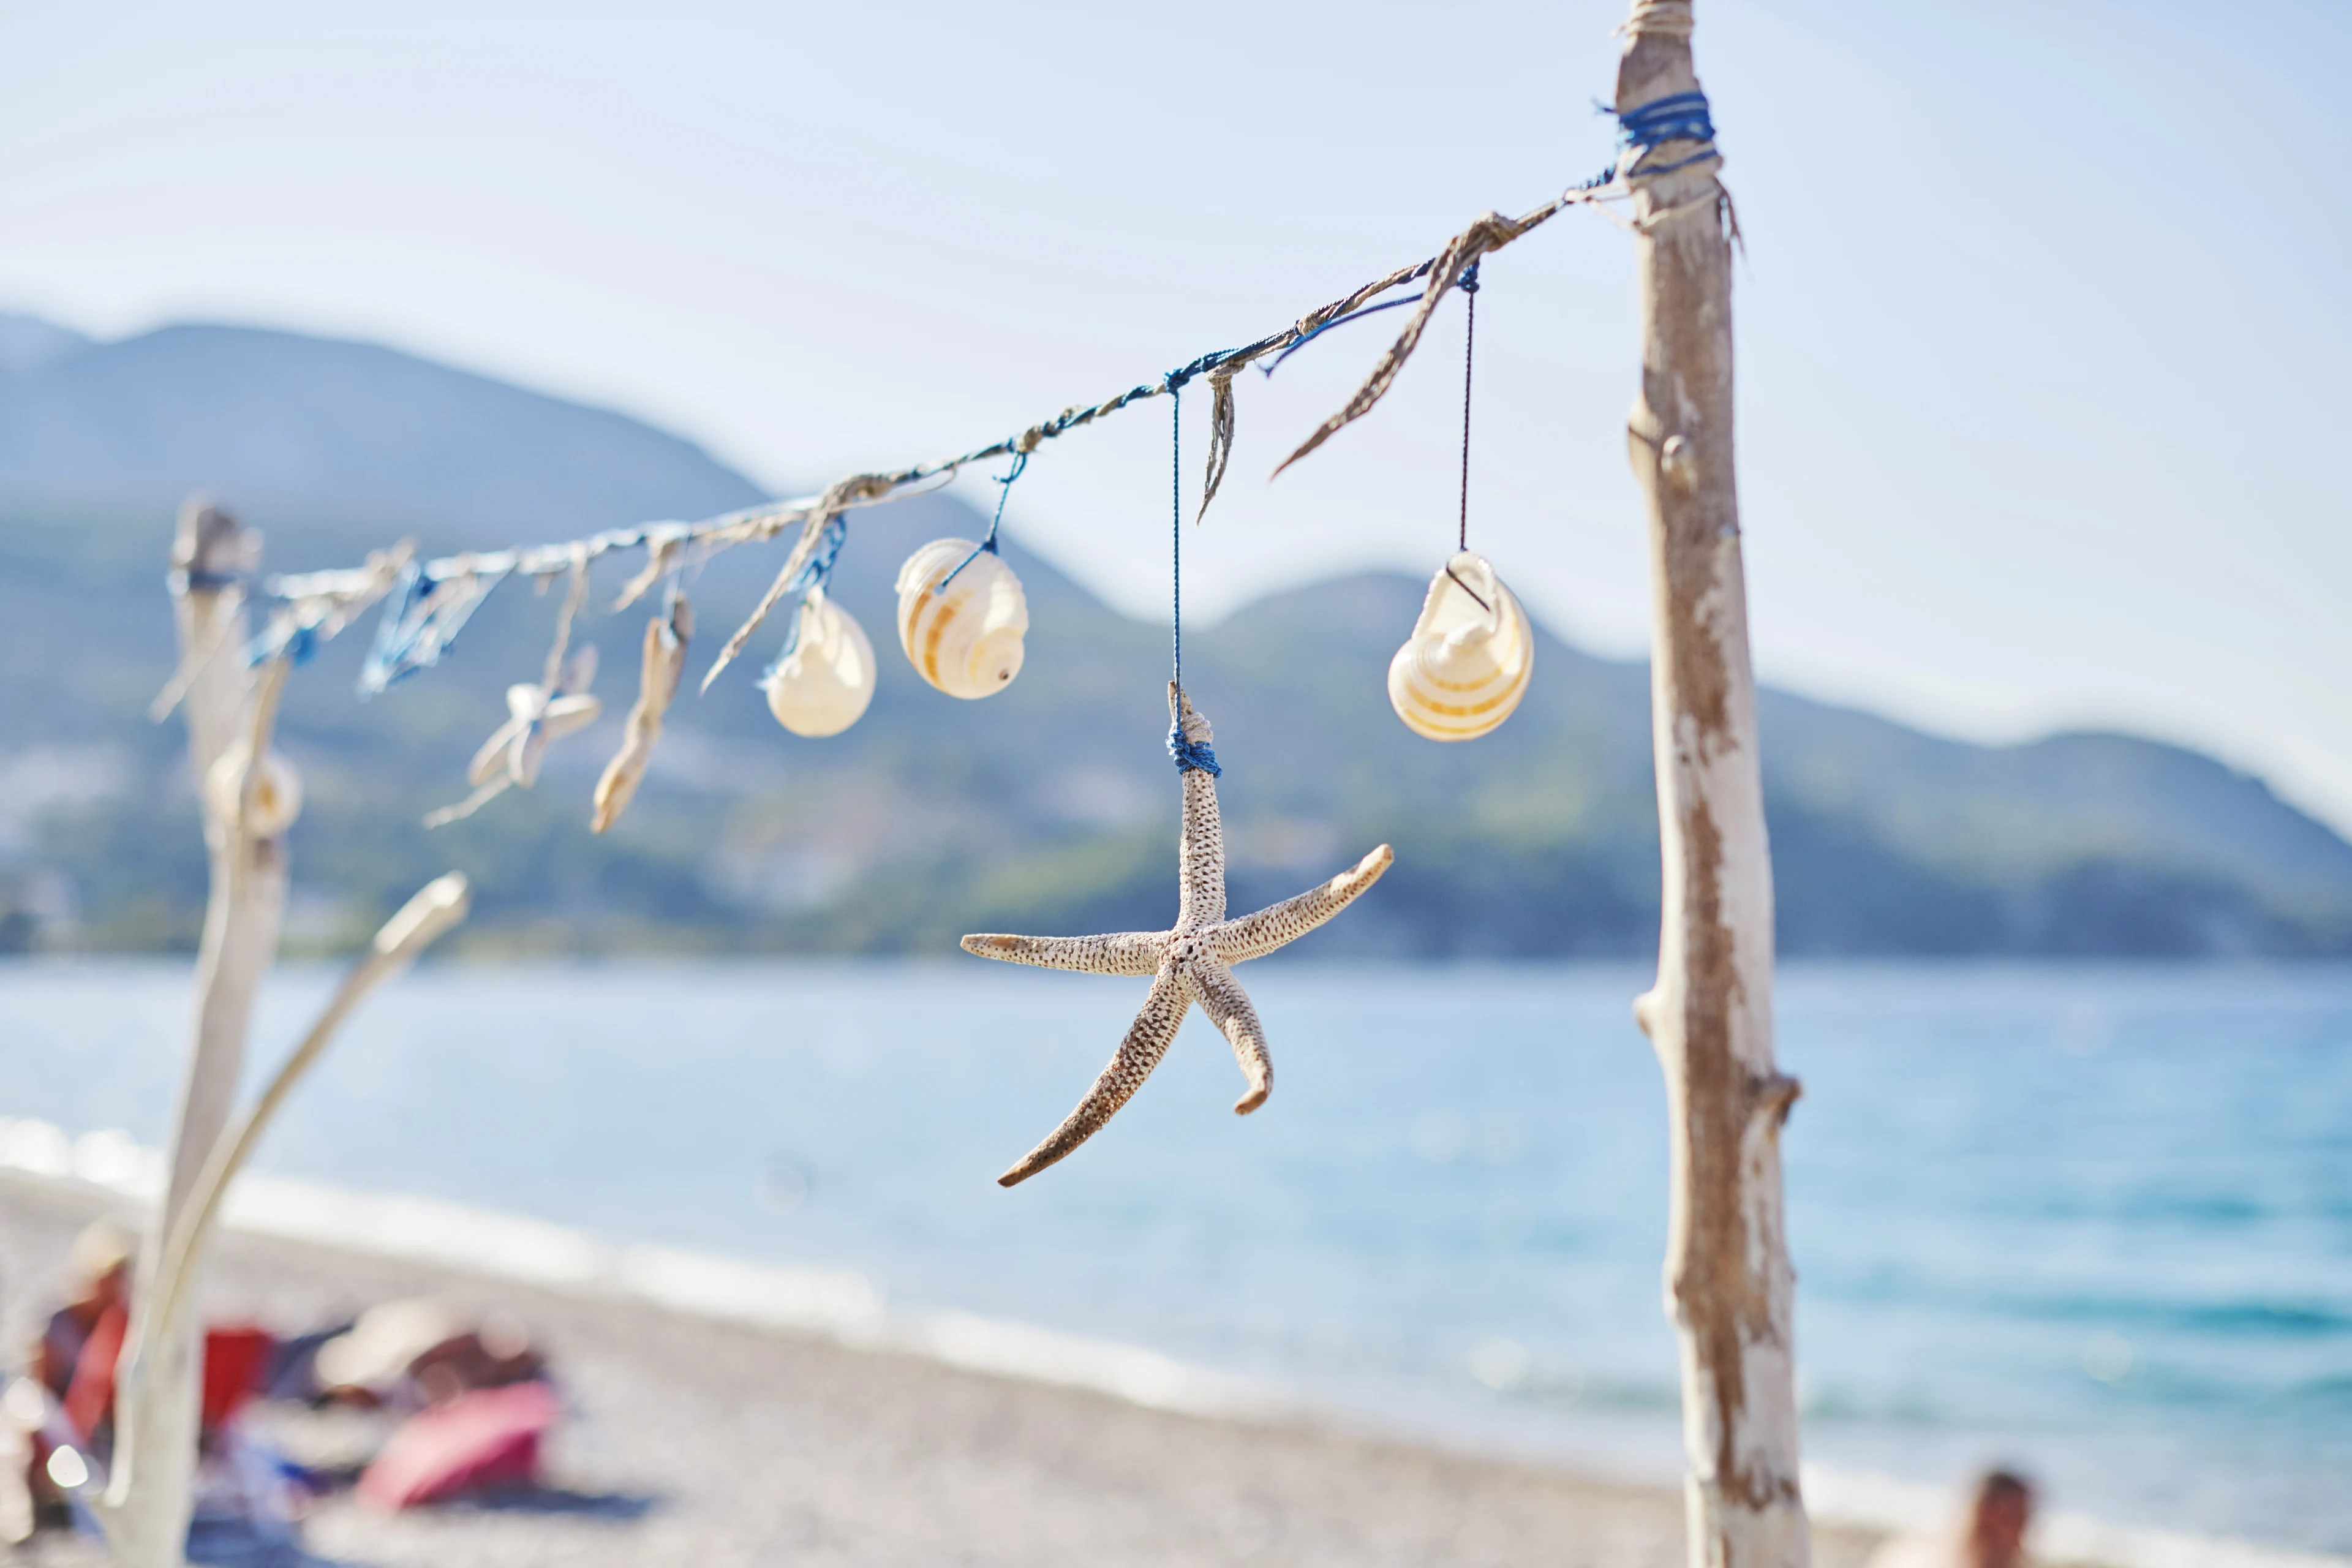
1050 806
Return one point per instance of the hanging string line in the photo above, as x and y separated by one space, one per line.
1189 755
1469 286
1020 461
1176 531
430 600
771 518
1268 370
1469 355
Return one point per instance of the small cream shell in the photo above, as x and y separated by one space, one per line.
824 687
1465 667
276 799
967 640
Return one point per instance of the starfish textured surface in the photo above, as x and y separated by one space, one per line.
1191 963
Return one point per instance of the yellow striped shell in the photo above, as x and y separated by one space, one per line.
1465 667
822 688
965 639
276 799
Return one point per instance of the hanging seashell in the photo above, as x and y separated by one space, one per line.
823 685
272 803
1465 667
965 637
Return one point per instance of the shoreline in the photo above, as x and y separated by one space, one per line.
339 1233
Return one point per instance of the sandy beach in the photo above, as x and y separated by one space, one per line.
713 1444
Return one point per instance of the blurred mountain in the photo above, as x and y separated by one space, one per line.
1050 806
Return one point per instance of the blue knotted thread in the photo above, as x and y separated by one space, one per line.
1677 116
814 574
419 625
1189 755
296 641
1020 461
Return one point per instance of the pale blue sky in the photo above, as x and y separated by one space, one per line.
2041 336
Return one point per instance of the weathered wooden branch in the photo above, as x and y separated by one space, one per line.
228 711
435 909
1728 1283
249 797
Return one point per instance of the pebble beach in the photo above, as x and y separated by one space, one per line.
710 1443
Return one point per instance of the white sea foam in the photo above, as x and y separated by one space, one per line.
840 1304
845 1306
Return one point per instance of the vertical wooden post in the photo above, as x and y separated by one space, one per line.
1728 1283
146 1508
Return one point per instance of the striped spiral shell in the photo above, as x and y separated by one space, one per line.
824 685
1465 667
964 639
274 801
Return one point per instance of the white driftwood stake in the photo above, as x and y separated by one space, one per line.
1728 1284
145 1510
438 907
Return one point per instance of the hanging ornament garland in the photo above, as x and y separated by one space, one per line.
962 614
1191 962
1465 667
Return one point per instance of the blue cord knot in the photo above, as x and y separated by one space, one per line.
813 575
1191 755
422 618
1677 116
1468 282
1020 461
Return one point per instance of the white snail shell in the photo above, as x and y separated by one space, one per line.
964 640
1465 667
276 799
825 685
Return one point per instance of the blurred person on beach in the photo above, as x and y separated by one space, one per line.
411 1354
476 1395
73 1364
98 1304
1991 1534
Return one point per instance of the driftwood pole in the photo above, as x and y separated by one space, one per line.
230 714
164 1307
1728 1284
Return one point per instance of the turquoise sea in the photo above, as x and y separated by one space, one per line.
2093 1221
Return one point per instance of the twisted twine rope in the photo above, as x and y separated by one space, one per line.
482 569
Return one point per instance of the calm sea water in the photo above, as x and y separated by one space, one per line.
2096 1222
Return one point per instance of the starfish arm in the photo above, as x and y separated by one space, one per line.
577 711
1201 854
492 758
489 791
1228 1006
1255 936
1122 953
1147 1040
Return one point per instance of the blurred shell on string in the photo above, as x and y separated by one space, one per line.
274 801
1467 664
965 637
824 685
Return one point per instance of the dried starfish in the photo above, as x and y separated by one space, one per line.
1189 963
535 716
